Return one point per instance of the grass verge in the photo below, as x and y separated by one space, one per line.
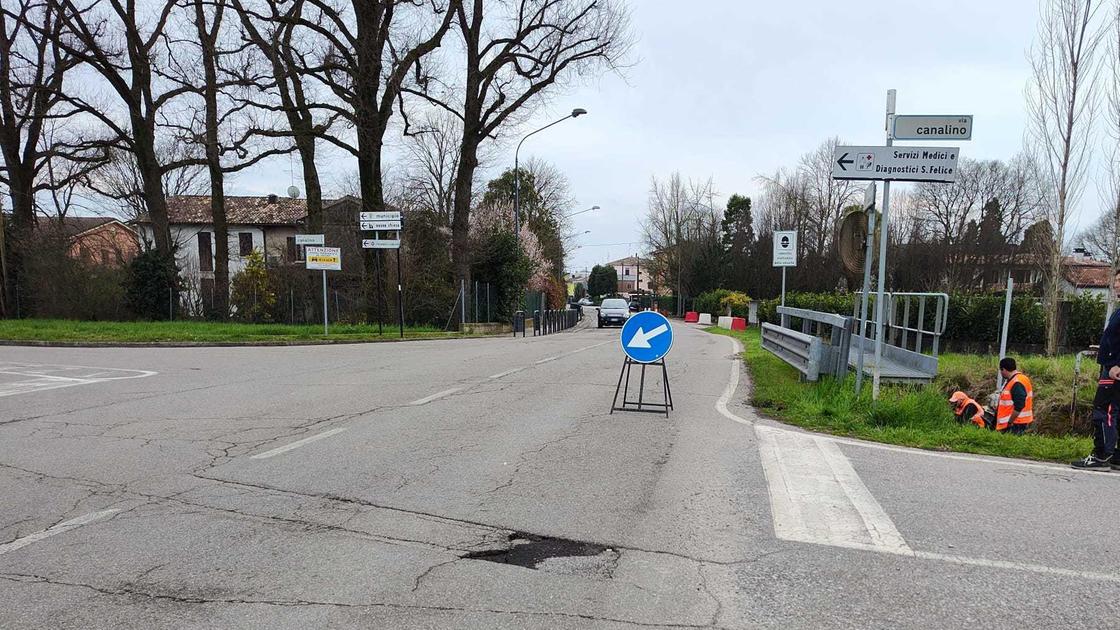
192 331
909 416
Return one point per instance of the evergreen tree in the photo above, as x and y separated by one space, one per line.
738 242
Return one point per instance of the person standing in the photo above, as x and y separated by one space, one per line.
1106 403
1015 411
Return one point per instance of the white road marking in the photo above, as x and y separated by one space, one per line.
436 396
882 539
594 345
39 377
548 359
817 497
53 530
298 443
507 372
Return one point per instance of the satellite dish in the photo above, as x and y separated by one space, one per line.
293 192
851 240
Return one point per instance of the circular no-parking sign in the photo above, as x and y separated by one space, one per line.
647 337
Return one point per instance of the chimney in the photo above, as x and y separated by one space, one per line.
272 198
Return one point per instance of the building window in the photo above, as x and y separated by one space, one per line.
245 243
205 252
293 252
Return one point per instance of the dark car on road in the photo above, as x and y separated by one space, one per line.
613 312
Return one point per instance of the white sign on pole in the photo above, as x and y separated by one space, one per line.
785 249
309 239
377 243
379 216
325 258
869 196
903 164
913 127
388 226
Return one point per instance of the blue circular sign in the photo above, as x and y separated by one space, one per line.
647 337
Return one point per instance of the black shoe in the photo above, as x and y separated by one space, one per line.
1093 462
1115 463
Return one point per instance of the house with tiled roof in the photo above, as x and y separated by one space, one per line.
94 240
1083 275
634 275
265 223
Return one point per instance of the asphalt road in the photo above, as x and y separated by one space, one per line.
482 484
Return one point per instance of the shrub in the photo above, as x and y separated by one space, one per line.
252 298
735 303
152 285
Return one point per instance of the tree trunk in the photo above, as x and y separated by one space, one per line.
313 191
152 178
220 304
460 222
23 222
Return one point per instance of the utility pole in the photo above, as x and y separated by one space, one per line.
883 238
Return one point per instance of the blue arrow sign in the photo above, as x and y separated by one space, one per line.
647 337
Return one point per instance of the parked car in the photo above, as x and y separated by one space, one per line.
613 312
635 307
586 302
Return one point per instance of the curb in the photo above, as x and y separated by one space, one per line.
223 344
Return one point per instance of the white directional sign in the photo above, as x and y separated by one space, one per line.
377 243
387 226
910 127
869 196
309 239
903 164
785 249
379 216
325 258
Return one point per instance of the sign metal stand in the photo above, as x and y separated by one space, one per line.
646 338
641 404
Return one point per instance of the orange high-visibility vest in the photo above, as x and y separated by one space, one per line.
1007 406
978 417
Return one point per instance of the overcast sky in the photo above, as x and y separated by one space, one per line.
732 89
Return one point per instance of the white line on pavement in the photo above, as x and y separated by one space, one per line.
298 443
817 497
548 359
436 396
507 372
59 528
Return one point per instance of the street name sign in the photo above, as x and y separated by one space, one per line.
309 239
901 164
785 249
919 127
324 258
387 226
646 337
378 243
379 216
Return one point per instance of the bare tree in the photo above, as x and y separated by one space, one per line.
41 148
827 197
120 179
677 219
431 161
126 45
512 58
1111 191
271 28
1062 103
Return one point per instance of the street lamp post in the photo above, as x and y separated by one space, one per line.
568 216
576 113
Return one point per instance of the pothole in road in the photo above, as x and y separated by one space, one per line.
554 555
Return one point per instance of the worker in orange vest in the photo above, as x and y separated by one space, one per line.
967 409
1015 410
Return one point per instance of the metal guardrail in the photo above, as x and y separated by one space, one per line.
801 350
919 329
836 329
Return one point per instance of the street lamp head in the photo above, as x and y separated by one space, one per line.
594 207
577 112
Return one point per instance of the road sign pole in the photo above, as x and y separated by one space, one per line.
400 295
783 286
380 297
883 238
865 297
1003 334
325 330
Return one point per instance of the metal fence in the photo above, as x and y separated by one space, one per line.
553 321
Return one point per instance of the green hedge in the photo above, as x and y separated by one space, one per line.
973 318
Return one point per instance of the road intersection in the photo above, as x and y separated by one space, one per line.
482 484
